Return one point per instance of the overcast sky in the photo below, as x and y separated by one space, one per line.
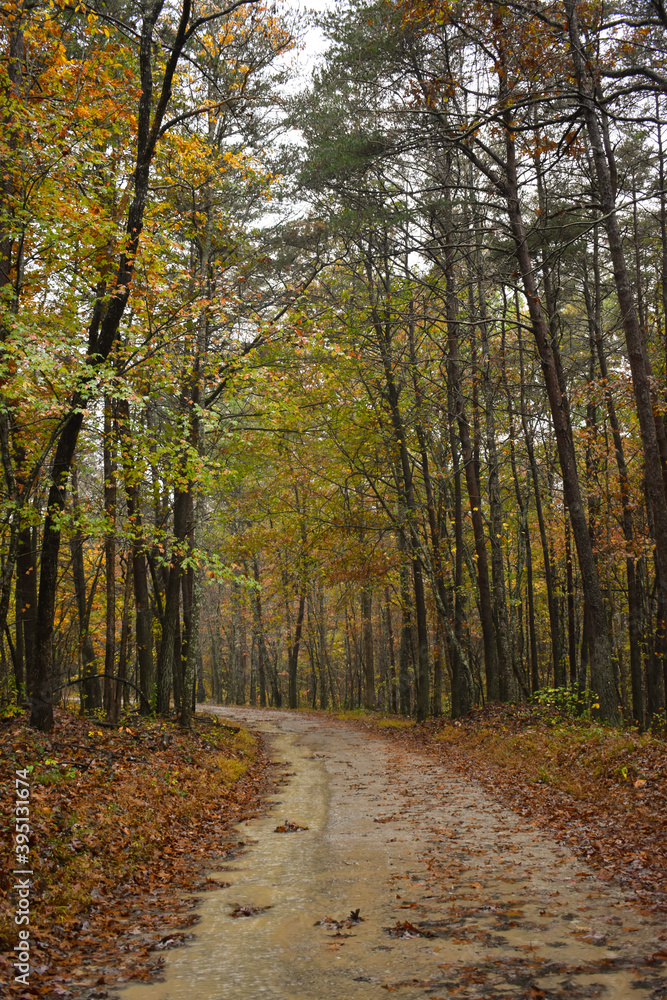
315 44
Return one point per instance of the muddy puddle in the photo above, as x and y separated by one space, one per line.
457 896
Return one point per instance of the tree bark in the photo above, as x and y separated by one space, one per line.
500 616
293 660
26 602
193 638
406 629
166 664
91 693
367 631
458 417
262 658
110 499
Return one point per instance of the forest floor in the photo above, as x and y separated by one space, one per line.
527 850
123 822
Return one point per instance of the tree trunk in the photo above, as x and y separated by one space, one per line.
482 569
500 615
601 671
293 660
571 634
546 559
167 665
262 658
123 647
367 630
393 687
534 663
26 601
143 630
193 638
91 697
406 629
323 653
634 608
408 515
110 499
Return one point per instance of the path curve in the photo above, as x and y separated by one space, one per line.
459 896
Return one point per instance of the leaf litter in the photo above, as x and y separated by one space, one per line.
124 823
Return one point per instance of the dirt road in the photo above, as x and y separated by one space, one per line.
459 897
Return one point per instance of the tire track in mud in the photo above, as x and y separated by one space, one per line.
459 897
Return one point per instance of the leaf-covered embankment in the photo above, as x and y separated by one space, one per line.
121 820
601 790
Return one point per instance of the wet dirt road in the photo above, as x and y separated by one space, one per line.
459 897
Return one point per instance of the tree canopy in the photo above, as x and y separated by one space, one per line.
349 392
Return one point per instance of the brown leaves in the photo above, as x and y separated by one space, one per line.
332 923
404 929
122 819
289 827
248 910
168 941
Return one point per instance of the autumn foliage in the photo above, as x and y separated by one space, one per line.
370 416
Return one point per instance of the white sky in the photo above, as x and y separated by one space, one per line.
304 59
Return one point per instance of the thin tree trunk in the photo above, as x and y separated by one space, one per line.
406 629
500 615
534 662
571 632
293 660
408 516
143 616
634 609
474 499
193 637
124 645
110 500
167 665
393 687
26 600
262 658
537 492
367 631
91 689
462 686
323 657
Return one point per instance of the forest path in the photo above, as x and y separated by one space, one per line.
459 896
